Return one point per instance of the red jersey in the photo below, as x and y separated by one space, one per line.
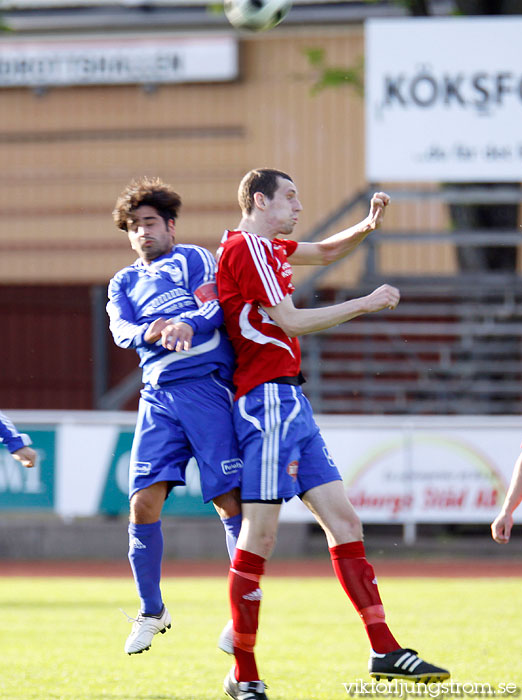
254 272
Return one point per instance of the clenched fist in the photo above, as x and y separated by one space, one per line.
384 297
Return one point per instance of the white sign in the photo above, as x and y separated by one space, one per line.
118 61
444 99
396 469
422 469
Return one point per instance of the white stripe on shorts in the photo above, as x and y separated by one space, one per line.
246 416
270 449
293 414
226 389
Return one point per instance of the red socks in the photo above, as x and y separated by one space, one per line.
245 599
357 577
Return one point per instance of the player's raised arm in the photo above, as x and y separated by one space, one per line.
341 244
297 322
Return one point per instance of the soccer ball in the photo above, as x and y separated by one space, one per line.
256 15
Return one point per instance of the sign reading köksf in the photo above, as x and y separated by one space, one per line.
444 99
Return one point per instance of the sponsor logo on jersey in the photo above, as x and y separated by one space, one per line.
254 595
293 468
169 301
141 468
231 466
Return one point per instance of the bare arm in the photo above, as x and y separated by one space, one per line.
296 322
340 244
501 526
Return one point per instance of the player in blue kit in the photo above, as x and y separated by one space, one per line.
17 443
165 306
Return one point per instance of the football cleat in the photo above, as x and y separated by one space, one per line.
144 629
244 690
226 638
405 664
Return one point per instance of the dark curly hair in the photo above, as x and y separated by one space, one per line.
150 191
259 180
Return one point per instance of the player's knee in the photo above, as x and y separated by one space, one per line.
268 542
228 504
142 511
355 524
348 529
359 533
261 542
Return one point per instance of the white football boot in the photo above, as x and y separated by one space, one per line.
226 638
144 629
249 690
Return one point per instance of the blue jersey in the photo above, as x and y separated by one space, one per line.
10 436
139 294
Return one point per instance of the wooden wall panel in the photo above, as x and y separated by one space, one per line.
47 346
66 155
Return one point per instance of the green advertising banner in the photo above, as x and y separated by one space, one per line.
182 501
29 489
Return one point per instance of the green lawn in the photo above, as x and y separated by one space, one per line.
63 637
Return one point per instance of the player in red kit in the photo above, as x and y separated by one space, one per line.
283 451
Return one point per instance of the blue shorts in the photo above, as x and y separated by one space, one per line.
283 451
188 419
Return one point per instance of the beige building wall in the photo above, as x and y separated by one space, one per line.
67 154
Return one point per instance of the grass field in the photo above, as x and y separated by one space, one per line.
63 637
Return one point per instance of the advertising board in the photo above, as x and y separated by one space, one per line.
443 99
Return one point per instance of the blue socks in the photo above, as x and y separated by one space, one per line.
145 553
232 527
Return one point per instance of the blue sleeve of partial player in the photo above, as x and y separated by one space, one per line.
126 333
202 271
10 436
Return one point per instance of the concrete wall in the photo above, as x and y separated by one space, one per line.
35 538
26 538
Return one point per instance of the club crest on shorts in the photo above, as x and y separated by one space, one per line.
293 468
